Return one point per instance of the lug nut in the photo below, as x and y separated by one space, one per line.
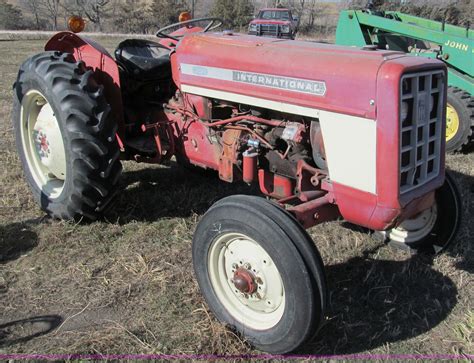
247 266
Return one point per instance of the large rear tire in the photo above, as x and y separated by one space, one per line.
65 137
459 120
248 260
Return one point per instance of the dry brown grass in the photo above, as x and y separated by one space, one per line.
126 285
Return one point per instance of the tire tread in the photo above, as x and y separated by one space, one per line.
94 152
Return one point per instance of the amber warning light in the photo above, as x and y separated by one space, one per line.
184 16
76 24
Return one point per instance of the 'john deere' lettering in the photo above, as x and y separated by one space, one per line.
456 45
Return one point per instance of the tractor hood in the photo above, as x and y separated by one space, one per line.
237 67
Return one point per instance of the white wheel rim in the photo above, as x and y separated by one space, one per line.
415 229
43 144
264 308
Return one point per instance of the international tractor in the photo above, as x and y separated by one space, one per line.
327 132
454 45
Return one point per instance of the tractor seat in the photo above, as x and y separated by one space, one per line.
144 60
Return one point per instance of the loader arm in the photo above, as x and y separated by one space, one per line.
455 43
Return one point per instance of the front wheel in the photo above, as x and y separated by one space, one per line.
434 229
247 256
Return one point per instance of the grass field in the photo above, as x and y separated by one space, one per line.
126 284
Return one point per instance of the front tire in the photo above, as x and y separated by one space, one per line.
65 137
253 276
433 230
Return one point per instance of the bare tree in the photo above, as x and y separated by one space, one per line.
94 10
312 10
52 9
134 16
10 16
34 6
306 10
235 14
201 7
166 12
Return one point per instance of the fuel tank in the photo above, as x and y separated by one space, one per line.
308 74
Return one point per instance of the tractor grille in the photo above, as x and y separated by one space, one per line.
268 30
421 112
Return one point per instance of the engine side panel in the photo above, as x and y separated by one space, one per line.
350 144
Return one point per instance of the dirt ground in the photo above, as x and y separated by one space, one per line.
125 284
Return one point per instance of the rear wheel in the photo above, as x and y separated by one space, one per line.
253 276
459 119
65 137
434 229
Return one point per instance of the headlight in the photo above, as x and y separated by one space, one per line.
253 27
285 28
404 111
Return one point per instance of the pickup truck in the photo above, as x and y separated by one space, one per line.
274 22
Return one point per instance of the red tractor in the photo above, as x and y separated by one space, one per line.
326 131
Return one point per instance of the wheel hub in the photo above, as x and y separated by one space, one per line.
416 228
48 142
244 281
43 144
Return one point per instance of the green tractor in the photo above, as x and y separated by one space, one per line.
423 38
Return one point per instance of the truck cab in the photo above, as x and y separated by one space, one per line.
274 22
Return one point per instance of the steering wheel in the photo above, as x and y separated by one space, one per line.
213 23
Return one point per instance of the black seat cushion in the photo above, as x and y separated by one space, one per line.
144 60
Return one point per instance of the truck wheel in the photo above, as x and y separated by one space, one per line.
434 229
65 137
459 119
248 263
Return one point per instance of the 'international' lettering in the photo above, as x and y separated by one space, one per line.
286 83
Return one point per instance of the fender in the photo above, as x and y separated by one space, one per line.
105 69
